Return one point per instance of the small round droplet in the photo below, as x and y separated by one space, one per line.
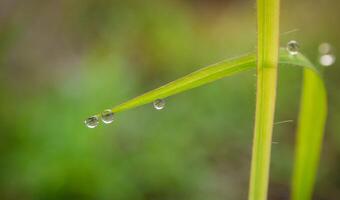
92 122
325 48
293 47
327 60
159 104
107 116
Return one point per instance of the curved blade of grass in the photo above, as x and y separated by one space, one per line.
313 111
209 74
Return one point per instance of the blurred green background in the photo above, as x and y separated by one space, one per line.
62 61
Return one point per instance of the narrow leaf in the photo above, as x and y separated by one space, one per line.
209 74
313 111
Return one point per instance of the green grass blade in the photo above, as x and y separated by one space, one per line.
195 79
207 75
313 111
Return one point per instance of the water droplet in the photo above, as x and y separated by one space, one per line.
293 47
159 104
325 48
107 116
92 122
327 60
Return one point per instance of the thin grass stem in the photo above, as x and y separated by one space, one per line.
267 60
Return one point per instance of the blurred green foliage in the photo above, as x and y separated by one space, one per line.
63 60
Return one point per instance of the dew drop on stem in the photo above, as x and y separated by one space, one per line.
293 47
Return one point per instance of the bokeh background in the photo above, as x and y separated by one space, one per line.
61 61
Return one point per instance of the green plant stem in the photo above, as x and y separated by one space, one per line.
267 59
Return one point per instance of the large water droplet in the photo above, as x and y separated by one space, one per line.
327 60
159 104
107 116
325 48
293 47
92 122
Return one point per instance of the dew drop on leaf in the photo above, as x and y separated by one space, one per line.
159 104
293 47
325 48
327 60
107 116
92 122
